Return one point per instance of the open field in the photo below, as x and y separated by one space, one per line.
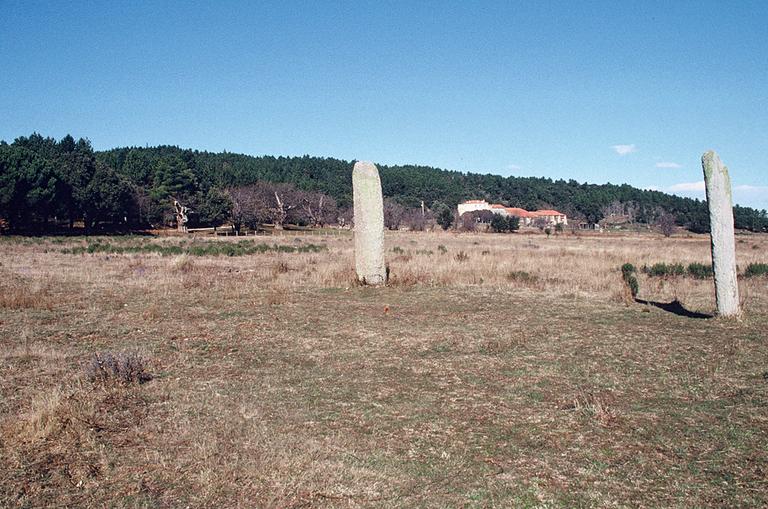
495 371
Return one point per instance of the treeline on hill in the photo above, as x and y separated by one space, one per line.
45 182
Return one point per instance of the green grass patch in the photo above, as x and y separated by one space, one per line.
242 248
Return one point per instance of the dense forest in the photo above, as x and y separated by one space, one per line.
46 183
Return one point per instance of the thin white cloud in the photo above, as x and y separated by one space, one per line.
668 164
687 187
745 188
623 150
743 194
514 167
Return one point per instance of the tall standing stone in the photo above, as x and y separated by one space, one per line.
720 202
369 224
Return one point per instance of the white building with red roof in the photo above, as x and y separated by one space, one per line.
473 205
551 216
547 217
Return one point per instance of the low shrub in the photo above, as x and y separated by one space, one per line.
461 256
122 367
694 270
756 270
628 272
627 269
700 270
520 276
664 269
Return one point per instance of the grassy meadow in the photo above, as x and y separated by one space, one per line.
494 371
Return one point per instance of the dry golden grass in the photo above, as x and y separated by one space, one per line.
515 375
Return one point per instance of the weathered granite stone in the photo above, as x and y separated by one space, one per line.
369 224
720 202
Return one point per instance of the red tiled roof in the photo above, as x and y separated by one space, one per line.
547 213
497 206
514 211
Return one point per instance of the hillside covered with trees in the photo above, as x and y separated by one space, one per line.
45 182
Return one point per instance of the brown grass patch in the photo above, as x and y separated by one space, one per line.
63 439
33 350
183 264
26 296
594 406
510 379
277 296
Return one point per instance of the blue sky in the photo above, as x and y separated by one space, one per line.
615 92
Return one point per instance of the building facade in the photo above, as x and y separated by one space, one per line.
546 217
473 205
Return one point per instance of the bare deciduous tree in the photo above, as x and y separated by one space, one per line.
417 219
250 206
287 198
667 224
318 209
393 214
279 204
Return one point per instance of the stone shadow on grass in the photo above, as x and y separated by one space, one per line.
675 307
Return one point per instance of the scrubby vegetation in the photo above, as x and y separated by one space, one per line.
501 224
697 270
756 270
120 367
521 276
700 270
662 269
241 248
628 275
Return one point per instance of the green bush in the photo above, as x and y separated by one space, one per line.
756 270
633 285
628 272
501 224
665 270
445 218
700 270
